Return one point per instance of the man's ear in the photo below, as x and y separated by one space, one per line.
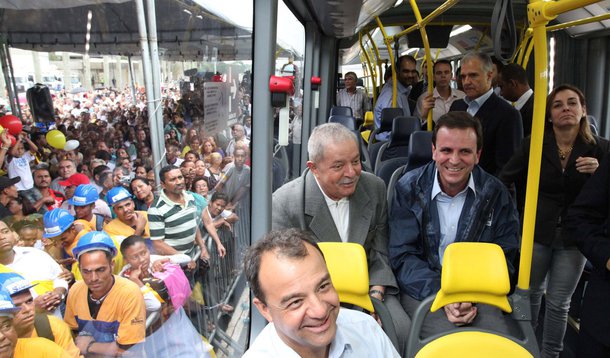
312 166
262 308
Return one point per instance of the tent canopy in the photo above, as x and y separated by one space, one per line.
185 29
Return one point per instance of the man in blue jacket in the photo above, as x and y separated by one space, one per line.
449 200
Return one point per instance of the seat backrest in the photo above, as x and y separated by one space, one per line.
374 150
386 121
396 175
341 110
348 121
402 127
398 143
420 150
474 272
473 344
387 118
350 276
385 169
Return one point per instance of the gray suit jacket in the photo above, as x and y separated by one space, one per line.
300 204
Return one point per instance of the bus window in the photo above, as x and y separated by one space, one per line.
290 54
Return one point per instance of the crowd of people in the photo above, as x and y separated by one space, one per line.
93 247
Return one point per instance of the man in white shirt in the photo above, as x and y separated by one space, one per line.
440 100
293 290
353 97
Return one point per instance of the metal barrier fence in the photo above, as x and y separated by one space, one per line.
217 290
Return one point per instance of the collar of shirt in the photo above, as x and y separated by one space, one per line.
476 103
339 211
524 98
436 186
454 94
339 345
187 198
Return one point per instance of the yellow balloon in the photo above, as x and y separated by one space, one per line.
56 139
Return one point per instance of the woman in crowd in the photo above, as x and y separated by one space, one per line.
570 155
200 186
207 148
214 172
143 191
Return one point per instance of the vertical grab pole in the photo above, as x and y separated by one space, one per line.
368 65
388 44
375 51
424 37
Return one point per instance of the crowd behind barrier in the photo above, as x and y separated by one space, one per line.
99 141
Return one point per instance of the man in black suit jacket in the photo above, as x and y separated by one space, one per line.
588 221
515 88
502 127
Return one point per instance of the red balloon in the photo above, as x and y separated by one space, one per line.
12 124
13 140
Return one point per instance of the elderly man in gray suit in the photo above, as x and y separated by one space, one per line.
336 201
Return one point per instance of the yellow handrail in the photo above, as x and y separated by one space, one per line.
368 64
388 44
424 36
377 57
438 11
589 20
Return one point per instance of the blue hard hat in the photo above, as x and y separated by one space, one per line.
7 307
116 194
94 240
84 194
56 222
14 283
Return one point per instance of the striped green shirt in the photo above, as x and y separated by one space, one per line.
174 223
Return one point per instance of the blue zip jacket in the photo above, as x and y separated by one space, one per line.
488 216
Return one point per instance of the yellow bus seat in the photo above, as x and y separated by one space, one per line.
348 268
471 273
350 278
473 344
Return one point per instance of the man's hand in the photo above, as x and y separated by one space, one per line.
157 266
140 224
221 250
460 314
82 342
427 104
47 302
191 265
205 255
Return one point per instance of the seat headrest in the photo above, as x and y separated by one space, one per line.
387 118
347 121
474 272
343 110
420 149
402 127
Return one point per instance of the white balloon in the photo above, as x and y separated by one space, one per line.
71 144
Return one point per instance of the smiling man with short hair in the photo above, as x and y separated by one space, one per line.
292 289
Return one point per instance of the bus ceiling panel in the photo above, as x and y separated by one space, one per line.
600 8
476 12
185 29
459 43
343 18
